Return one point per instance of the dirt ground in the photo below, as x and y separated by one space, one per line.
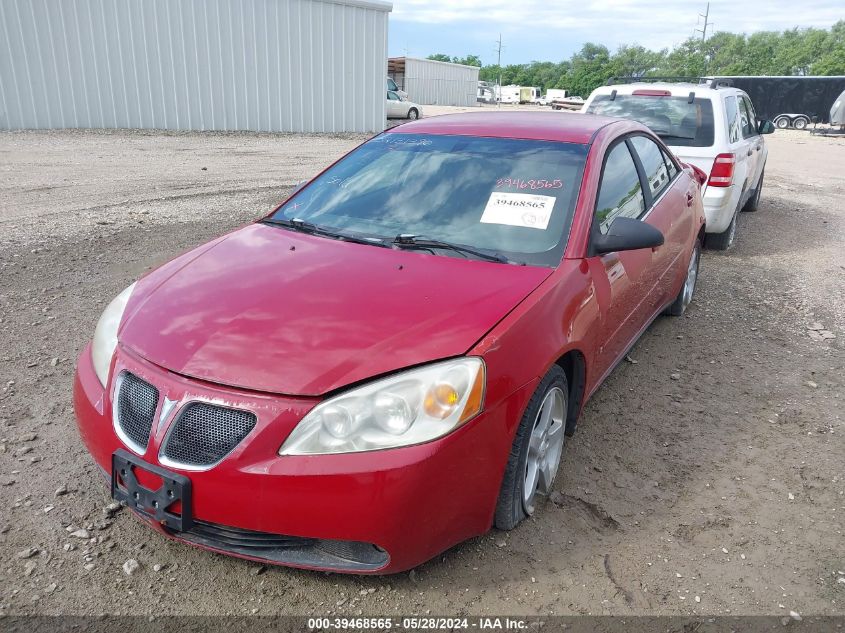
706 477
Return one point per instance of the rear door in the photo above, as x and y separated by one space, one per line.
670 200
746 159
758 144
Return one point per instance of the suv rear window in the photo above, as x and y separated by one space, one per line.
674 119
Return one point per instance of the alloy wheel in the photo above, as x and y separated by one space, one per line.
692 276
544 448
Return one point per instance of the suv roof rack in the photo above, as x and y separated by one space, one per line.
711 82
649 79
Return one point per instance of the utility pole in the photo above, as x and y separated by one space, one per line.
707 22
499 65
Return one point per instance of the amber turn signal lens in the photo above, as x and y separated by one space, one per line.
476 397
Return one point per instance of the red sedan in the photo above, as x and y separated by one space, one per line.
390 362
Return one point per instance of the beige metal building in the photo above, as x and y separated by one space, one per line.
429 82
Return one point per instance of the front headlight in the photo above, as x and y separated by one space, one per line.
105 336
412 407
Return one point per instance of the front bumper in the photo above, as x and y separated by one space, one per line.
720 205
412 503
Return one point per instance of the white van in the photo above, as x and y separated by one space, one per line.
712 126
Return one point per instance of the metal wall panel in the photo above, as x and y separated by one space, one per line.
263 65
429 82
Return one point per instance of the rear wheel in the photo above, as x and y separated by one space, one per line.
413 114
754 201
724 240
800 123
679 306
536 451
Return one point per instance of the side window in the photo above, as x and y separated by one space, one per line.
745 116
752 115
620 193
392 96
652 159
671 168
732 115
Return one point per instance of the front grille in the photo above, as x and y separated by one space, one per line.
136 406
203 434
286 550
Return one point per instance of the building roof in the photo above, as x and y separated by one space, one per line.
569 127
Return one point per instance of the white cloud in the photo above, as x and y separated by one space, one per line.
647 22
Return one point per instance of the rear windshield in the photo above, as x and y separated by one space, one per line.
674 119
509 196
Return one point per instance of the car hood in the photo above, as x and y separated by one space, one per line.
271 310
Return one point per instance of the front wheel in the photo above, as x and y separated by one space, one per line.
782 123
536 451
679 305
413 114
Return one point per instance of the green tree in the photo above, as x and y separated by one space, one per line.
439 57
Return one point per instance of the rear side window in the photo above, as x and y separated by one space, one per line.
732 115
671 168
656 172
746 120
752 117
620 193
674 119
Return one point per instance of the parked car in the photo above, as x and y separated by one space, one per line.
711 126
390 362
399 108
391 86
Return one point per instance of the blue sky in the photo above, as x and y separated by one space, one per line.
554 29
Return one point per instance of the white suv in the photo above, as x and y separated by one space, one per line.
712 126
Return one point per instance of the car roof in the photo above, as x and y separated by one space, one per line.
677 89
566 127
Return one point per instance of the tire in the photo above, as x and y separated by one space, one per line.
536 460
679 305
413 114
754 201
724 240
800 123
783 123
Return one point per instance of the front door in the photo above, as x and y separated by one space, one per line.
623 280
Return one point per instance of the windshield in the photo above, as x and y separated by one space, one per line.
507 196
674 119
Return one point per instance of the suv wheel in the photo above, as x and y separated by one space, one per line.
724 240
754 201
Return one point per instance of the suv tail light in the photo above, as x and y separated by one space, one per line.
722 174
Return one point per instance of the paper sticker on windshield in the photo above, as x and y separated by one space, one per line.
518 209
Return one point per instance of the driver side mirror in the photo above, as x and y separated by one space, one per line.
627 234
766 127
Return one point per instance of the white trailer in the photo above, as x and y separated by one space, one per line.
555 93
509 94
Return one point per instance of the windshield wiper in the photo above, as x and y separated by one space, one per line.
310 228
409 241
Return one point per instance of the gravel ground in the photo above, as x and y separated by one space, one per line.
706 476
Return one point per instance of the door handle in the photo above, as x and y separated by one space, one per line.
750 152
690 198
